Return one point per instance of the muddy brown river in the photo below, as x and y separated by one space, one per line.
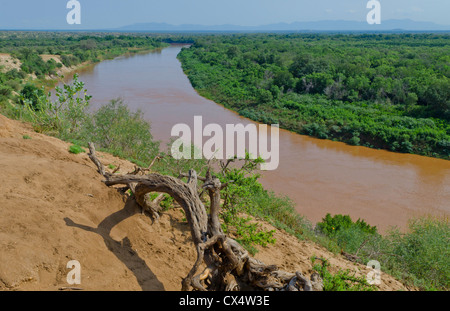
320 176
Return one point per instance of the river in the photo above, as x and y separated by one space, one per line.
384 188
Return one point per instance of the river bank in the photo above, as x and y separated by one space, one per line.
320 176
330 95
41 230
166 74
65 74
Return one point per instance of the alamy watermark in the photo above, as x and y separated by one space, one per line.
234 137
74 15
74 275
374 276
374 16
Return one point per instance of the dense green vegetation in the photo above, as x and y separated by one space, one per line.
381 91
73 49
419 257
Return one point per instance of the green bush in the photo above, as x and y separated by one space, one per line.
349 236
5 90
355 140
32 93
75 149
64 117
332 225
122 132
420 256
32 62
70 60
247 233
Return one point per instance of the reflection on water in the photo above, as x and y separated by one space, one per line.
321 176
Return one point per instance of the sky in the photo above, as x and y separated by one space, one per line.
108 14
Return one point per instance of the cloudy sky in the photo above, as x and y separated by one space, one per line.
98 14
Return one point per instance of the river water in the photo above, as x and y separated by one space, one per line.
384 188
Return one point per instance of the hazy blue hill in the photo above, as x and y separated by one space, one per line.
184 27
326 25
354 25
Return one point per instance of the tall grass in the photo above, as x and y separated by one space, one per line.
419 257
422 255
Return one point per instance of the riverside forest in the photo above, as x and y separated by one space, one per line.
383 91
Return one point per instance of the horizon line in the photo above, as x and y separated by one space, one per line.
244 28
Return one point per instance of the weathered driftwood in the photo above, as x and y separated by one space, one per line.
228 264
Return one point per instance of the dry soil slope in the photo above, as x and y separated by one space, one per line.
54 208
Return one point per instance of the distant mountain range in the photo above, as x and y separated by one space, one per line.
326 25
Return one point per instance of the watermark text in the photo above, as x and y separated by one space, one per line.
374 15
74 15
74 275
228 143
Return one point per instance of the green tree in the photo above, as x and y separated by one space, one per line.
31 93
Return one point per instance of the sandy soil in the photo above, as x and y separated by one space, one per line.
47 57
54 208
8 62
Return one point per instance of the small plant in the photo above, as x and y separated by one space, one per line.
75 149
64 117
26 137
32 93
343 280
239 197
247 234
111 166
167 201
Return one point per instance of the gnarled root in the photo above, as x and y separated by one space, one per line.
228 264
